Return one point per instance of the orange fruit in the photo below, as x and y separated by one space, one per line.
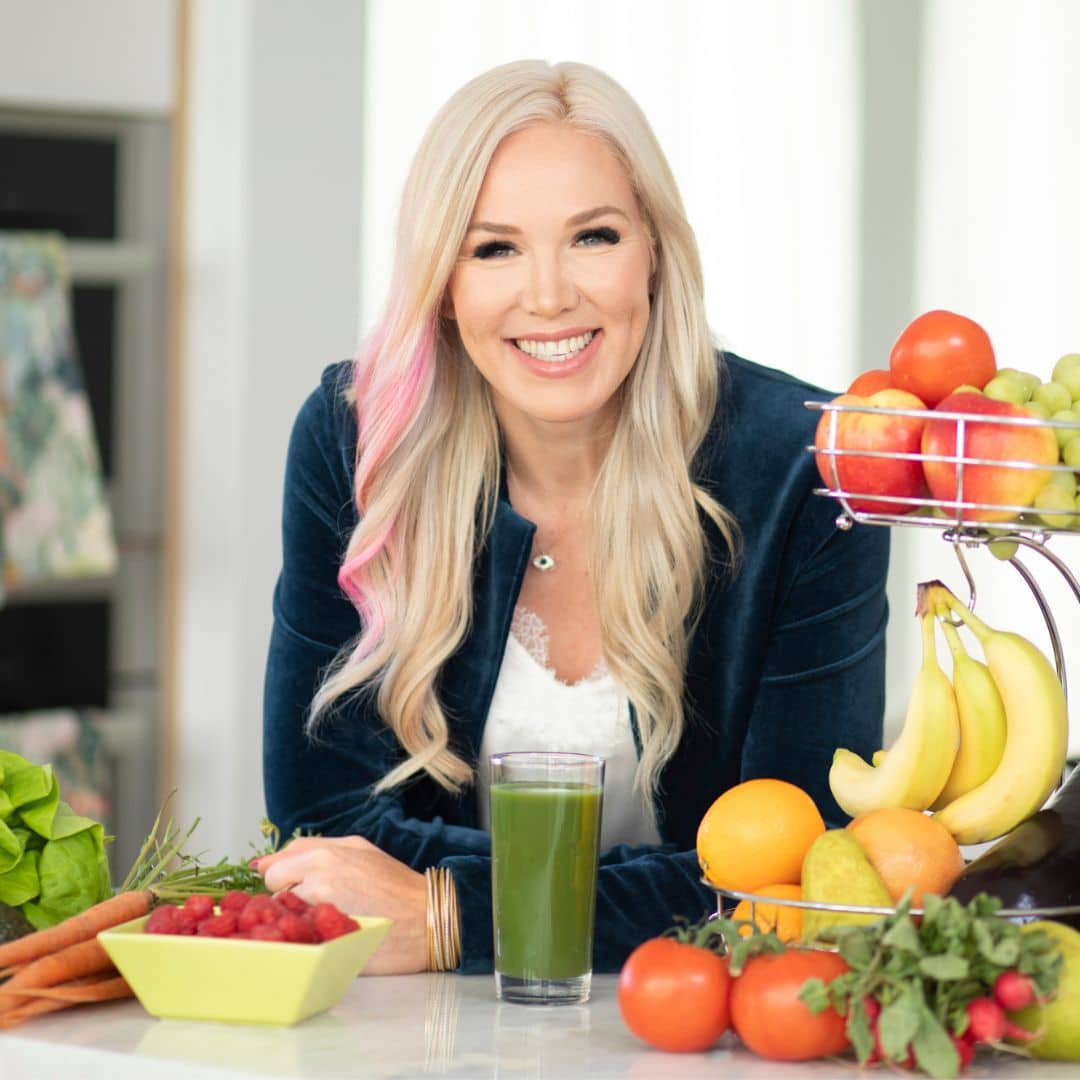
756 834
786 921
909 849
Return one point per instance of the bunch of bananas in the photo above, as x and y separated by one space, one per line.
983 750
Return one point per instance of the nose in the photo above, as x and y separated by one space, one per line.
548 290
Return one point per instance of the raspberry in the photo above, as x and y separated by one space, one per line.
291 902
234 901
188 921
331 922
262 932
272 913
199 907
218 925
164 920
249 918
297 928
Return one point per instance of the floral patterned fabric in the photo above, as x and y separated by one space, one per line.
73 743
54 518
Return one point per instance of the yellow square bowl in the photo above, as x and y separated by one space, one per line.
238 981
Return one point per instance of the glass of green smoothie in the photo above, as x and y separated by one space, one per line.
545 843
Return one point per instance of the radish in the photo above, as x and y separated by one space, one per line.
965 1048
1013 991
986 1020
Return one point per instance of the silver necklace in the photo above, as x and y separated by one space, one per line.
542 560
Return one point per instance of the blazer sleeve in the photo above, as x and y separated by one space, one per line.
324 784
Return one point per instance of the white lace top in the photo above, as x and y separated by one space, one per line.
533 710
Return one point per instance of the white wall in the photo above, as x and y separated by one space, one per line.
271 242
111 55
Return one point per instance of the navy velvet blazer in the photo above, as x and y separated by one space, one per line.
786 664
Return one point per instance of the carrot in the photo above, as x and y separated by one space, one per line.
105 990
105 987
85 958
87 924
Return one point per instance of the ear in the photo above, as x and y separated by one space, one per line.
446 307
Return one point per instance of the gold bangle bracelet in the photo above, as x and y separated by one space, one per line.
429 881
443 922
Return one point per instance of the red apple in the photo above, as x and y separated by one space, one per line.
1002 485
870 382
938 352
874 431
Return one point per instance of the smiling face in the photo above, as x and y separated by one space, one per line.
551 288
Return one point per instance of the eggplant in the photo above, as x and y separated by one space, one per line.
1037 865
13 923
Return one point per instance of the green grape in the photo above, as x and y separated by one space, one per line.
1067 372
1051 497
1064 479
1070 453
1025 378
1065 435
1001 549
1054 395
1036 409
1006 387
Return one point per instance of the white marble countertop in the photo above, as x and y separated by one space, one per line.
406 1026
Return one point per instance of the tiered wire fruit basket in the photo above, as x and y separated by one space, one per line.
961 521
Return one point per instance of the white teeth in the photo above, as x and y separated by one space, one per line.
555 351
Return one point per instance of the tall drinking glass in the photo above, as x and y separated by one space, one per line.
545 842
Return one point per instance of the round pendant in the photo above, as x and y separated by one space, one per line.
543 562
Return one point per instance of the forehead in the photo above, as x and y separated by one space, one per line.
553 166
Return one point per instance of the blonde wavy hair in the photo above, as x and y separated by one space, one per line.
429 454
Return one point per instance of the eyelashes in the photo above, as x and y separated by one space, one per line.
605 233
494 249
491 249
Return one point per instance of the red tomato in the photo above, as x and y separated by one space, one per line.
938 352
675 996
870 382
769 1017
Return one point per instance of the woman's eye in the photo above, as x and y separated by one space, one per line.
492 249
592 237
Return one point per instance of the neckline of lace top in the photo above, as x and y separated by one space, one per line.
531 633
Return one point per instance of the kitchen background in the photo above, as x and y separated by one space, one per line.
225 177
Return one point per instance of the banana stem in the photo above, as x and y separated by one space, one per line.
932 594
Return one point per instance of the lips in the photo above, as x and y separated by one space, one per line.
555 351
558 364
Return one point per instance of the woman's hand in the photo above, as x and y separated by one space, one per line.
359 878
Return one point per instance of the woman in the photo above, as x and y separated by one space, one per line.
539 511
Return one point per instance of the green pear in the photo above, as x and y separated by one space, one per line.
835 870
1058 1019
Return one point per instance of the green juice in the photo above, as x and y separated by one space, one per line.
545 840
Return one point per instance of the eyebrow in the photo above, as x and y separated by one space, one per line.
578 219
